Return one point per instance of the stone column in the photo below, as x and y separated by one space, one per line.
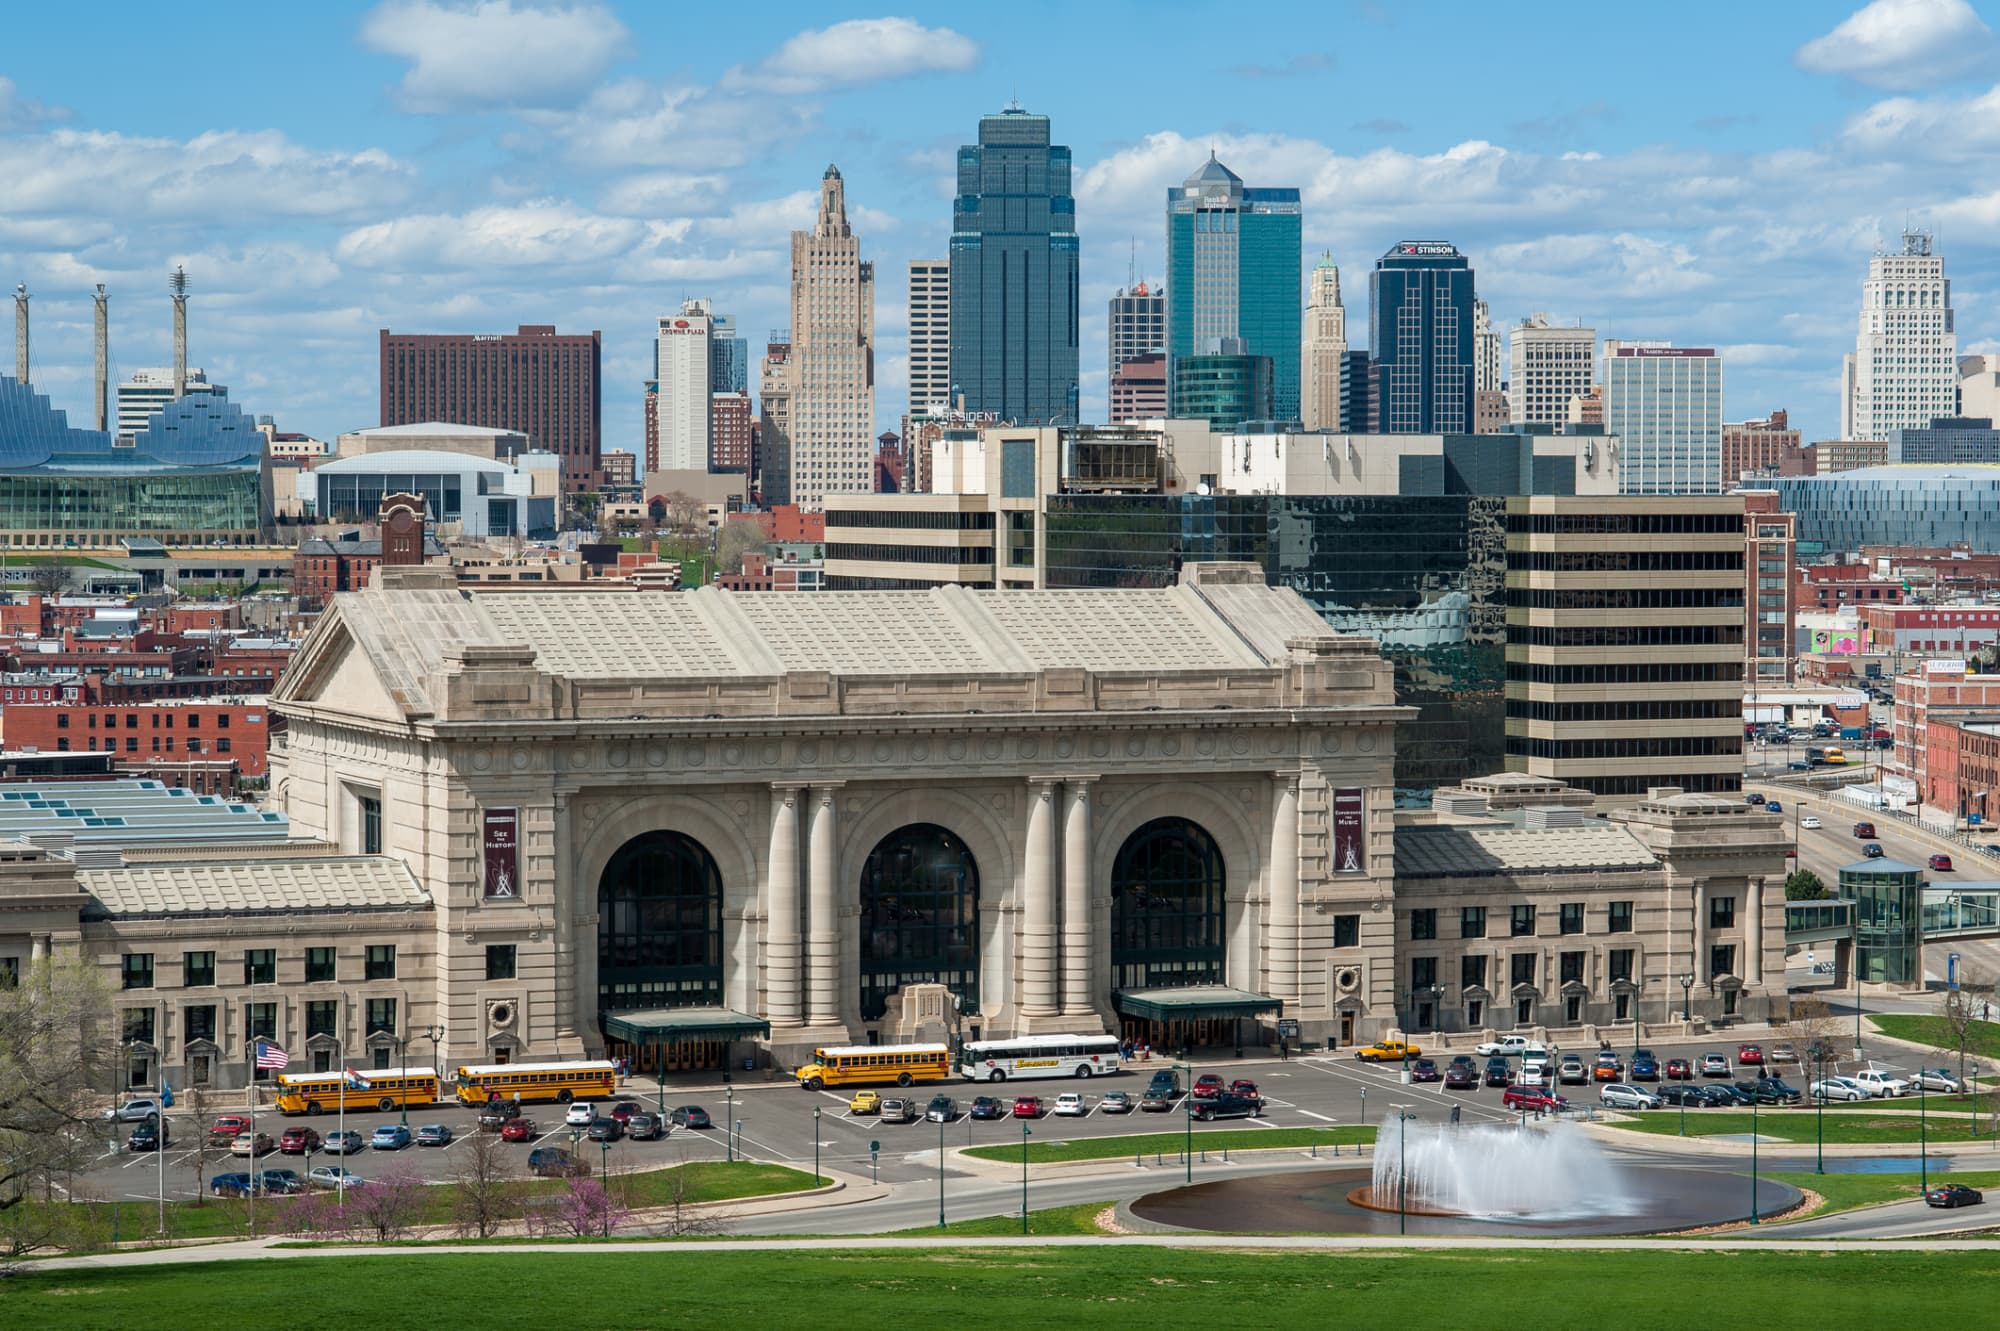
1077 925
823 926
1282 946
781 911
1698 931
38 948
1753 933
1038 913
575 936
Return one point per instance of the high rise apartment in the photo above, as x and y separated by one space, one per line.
1139 389
1138 325
1770 603
147 393
831 364
929 317
1625 651
682 365
534 381
1420 332
1233 272
1325 349
1904 370
1546 367
1014 350
731 443
1664 403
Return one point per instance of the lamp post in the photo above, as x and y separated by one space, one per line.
403 1060
1187 1114
604 1181
1819 1116
1923 1133
816 1181
728 1117
1686 979
940 1173
435 1034
1753 1159
1025 1134
1403 1118
1854 959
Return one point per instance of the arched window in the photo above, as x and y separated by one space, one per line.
659 925
1167 907
919 917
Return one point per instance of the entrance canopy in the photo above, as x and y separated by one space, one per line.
655 1026
1194 1002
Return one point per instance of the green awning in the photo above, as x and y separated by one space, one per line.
667 1025
1194 1002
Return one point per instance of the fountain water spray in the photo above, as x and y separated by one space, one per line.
1550 1172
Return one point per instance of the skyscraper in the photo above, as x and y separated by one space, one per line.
1904 370
1546 367
1014 274
728 357
1486 367
830 367
1233 272
1664 404
1420 331
1325 349
682 365
1138 325
930 335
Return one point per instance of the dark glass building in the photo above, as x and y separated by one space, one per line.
1014 274
1420 332
1222 388
1233 271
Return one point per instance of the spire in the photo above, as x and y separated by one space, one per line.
832 205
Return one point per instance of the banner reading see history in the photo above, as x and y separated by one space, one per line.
500 835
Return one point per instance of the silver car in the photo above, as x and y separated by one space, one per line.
1620 1095
1937 1079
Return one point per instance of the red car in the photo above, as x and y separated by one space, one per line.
1941 863
226 1129
1027 1106
1532 1097
518 1130
1246 1089
1208 1085
298 1141
1752 1054
624 1109
1679 1069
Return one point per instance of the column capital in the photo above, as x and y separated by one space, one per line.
1290 776
789 787
1081 781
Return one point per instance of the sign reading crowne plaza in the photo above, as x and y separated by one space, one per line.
685 828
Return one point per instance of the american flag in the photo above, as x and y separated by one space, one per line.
270 1056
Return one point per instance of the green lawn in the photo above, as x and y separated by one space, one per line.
1982 1039
1844 1192
1078 1219
1211 1139
1020 1290
1798 1125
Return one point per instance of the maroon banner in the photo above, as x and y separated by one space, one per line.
500 837
1348 816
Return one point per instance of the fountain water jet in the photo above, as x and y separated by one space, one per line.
1495 1170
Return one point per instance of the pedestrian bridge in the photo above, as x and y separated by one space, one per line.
1818 922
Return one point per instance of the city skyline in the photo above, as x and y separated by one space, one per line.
588 194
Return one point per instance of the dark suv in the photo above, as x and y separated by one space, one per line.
1166 1082
555 1162
1228 1105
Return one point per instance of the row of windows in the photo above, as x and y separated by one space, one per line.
1625 561
1651 709
1472 972
910 554
1633 635
1663 746
1644 672
198 1022
1520 920
1625 598
132 720
132 744
260 966
1704 783
907 518
1624 524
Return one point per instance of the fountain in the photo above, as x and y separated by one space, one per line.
1494 1170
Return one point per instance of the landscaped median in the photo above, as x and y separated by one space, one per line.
1801 1125
1845 1192
1213 1140
1982 1038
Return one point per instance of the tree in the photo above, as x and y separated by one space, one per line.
1805 885
1812 1029
682 1215
202 1146
582 1210
684 513
1964 1008
51 579
486 1195
51 1042
389 1205
739 536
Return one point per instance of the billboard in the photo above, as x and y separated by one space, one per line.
500 841
1840 642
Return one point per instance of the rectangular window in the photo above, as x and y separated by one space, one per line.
369 807
1618 963
1722 912
1472 972
1522 965
1423 924
500 958
381 963
319 965
1472 921
198 1023
139 1024
381 1015
1423 974
197 969
261 1020
139 970
1572 917
260 966
1621 917
1524 922
1572 968
1722 959
322 1018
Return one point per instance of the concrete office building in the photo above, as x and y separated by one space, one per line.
1946 440
683 369
1903 373
929 316
148 392
1014 275
1546 367
825 425
1664 406
1321 392
471 496
1420 333
774 420
1488 371
1979 387
1625 642
1138 325
434 437
1233 277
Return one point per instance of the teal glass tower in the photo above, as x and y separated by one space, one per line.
1014 274
1234 271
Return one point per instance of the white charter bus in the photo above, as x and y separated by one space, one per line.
1040 1056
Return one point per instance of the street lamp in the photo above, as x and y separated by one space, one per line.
1402 1178
1819 1113
816 1180
940 1172
1924 1133
1753 1159
403 1060
1686 979
435 1034
1187 1113
604 1181
728 1116
1437 1010
1025 1134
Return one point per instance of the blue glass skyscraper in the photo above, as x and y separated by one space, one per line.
1420 331
1233 271
1014 274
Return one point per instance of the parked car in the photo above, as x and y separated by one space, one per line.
1624 1095
1772 1091
1459 1077
334 1177
604 1130
1773 806
1715 1065
1115 1102
1953 1195
865 1102
1387 1051
579 1114
646 1127
1027 1106
1838 1088
1533 1072
232 1185
433 1134
252 1144
1810 821
133 1111
899 1111
1156 1101
495 1114
694 1116
1071 1105
1508 1045
1608 1067
228 1127
1499 1072
1207 1085
1942 863
1644 1066
522 1130
1752 1054
1937 1079
1527 1097
1864 830
987 1107
1243 1086
1728 1095
1679 1069
1425 1069
150 1136
942 1109
1465 1061
1227 1105
1753 798
282 1182
298 1141
1871 850
1881 1083
1680 1093
555 1162
1781 1053
624 1109
389 1137
343 1143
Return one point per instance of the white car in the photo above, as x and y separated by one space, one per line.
1881 1083
1509 1045
1071 1104
1937 1079
1619 1095
1839 1088
134 1111
581 1114
1534 1072
1810 821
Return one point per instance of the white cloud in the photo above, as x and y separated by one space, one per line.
864 50
1902 44
17 110
547 233
1933 127
660 192
633 123
771 221
494 52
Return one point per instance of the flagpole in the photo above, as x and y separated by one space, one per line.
251 1096
340 1063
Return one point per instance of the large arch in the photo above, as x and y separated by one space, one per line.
1169 907
659 925
919 900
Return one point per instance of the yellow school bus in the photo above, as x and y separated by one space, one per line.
370 1088
562 1082
1836 758
854 1065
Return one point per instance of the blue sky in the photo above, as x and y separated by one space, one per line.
325 171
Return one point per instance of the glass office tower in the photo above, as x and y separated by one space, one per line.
1234 271
1014 274
1420 319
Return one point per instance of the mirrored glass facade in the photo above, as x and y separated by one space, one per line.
1938 507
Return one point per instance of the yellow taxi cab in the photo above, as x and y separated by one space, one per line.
1387 1051
864 1102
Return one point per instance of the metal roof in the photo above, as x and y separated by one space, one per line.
1470 852
118 813
236 887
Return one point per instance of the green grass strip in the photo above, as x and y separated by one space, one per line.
1210 1139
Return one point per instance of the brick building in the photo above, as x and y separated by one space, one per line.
1768 447
235 732
1825 588
1941 690
731 442
322 567
1770 600
788 524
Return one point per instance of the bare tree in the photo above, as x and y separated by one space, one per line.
487 1195
1964 1008
684 513
203 1147
1811 1031
682 1215
51 579
739 537
389 1206
51 1024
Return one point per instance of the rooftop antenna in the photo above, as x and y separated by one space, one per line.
1132 266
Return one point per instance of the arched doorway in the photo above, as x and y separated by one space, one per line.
659 940
1168 922
919 917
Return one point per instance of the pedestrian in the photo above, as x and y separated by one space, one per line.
1454 1113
